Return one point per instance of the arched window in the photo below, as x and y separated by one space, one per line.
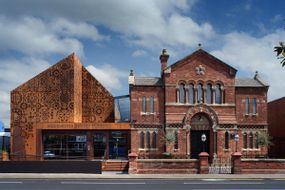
144 104
256 140
244 140
176 140
147 136
254 106
142 140
151 104
251 140
200 93
153 140
246 105
181 93
226 140
191 94
209 94
218 94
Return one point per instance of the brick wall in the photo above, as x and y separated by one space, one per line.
276 120
136 94
262 166
261 96
167 166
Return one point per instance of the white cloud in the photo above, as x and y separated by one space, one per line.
150 24
139 53
34 36
248 53
67 28
109 76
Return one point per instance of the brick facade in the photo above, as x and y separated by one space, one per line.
217 109
276 120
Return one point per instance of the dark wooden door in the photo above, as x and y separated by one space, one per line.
197 146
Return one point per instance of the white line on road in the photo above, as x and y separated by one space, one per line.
235 189
11 182
98 183
223 183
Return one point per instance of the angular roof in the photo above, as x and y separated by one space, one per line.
199 53
247 82
148 81
256 81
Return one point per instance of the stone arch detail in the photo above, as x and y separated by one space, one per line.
201 109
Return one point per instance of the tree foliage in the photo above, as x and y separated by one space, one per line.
169 138
280 50
264 139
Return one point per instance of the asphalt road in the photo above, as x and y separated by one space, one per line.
139 184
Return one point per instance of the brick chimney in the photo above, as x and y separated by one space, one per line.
131 78
163 60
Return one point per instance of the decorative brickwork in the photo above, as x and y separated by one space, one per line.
201 94
64 93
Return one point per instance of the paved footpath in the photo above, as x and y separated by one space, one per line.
113 175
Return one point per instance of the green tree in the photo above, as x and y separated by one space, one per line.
280 50
264 139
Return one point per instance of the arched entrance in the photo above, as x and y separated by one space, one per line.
200 124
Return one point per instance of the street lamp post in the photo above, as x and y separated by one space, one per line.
236 139
203 138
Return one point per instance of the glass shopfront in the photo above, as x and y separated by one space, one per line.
81 144
100 145
118 145
64 146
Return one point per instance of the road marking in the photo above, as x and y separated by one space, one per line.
213 179
11 182
245 179
235 189
223 183
99 183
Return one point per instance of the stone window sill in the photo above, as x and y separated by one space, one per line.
147 113
148 149
251 149
250 114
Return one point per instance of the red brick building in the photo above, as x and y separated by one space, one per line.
276 120
197 95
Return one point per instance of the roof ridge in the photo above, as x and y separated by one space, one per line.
259 79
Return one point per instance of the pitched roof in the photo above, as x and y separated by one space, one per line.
247 82
198 53
256 81
148 81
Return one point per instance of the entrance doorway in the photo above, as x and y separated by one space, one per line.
111 144
197 146
100 145
200 124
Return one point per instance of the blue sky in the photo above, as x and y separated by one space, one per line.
111 37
